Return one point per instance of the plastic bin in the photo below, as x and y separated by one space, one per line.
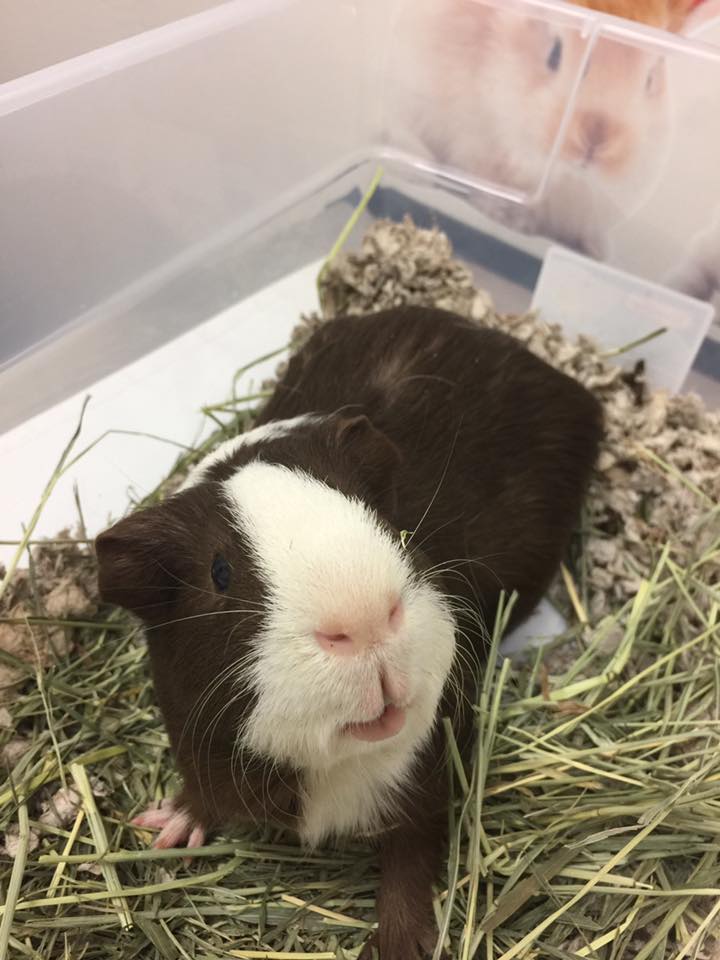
149 184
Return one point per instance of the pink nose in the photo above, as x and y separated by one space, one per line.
362 633
595 129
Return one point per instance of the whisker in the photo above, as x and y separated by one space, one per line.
432 533
440 483
201 702
200 616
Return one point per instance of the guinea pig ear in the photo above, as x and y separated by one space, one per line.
141 560
375 456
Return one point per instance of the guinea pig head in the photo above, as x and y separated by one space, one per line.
276 574
621 103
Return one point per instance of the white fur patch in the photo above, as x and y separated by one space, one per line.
325 559
225 450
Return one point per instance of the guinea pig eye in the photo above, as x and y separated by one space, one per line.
220 572
554 58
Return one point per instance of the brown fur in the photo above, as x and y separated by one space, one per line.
456 433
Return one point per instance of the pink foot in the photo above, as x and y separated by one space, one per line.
177 828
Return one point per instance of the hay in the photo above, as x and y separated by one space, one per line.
587 823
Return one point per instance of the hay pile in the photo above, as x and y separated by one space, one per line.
586 825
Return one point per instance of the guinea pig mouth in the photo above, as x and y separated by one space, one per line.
388 724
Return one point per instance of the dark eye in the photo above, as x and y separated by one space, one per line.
220 573
555 56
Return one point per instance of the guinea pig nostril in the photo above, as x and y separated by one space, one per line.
334 642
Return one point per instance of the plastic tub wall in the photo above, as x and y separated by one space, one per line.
150 183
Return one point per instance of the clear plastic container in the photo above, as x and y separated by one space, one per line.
147 185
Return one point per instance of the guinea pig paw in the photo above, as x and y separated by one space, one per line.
176 825
155 817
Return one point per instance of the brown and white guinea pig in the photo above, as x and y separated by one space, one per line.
304 648
483 90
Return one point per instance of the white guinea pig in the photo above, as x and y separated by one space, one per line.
482 91
698 273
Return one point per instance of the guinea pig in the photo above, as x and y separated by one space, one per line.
486 93
318 592
698 272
